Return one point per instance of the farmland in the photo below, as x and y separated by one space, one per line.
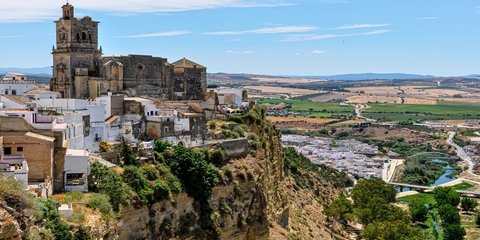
298 105
410 112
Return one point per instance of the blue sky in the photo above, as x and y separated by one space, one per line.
288 37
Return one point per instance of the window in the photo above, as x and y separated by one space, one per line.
8 150
165 129
14 92
75 179
19 149
6 92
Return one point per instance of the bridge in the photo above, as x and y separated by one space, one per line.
434 155
424 188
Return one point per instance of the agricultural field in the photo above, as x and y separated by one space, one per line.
388 99
298 105
276 92
443 110
412 94
307 120
287 80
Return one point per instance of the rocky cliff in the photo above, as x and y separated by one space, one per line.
263 195
243 207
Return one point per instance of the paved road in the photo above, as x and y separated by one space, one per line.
461 153
358 111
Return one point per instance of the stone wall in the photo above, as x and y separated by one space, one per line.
235 147
117 104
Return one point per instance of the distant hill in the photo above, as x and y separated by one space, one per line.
47 71
370 76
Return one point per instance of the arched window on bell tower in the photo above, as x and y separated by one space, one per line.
68 11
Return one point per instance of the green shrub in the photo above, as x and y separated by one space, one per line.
239 130
252 136
224 208
160 146
237 191
213 125
228 171
151 172
76 195
224 126
233 135
218 156
161 190
78 215
83 233
254 144
102 203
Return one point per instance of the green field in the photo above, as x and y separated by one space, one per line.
462 186
426 198
298 105
412 112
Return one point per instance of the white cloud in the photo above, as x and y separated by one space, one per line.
317 52
42 10
244 52
272 30
427 18
363 25
159 34
477 9
311 37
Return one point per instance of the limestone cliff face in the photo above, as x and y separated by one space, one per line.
9 228
244 208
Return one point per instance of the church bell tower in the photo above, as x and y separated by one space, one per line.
76 56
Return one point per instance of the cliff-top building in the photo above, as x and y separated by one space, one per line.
80 71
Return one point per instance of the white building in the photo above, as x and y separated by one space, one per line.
15 84
38 93
76 170
14 165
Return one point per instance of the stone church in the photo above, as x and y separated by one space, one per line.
80 70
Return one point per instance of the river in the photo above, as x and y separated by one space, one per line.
441 180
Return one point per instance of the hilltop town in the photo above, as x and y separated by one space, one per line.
49 133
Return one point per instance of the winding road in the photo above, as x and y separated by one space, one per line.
461 153
358 111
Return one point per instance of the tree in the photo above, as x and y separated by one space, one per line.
468 204
160 145
388 230
197 176
454 232
418 211
477 219
449 214
106 180
446 195
368 189
340 207
134 177
128 156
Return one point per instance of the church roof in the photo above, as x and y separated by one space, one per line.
185 63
